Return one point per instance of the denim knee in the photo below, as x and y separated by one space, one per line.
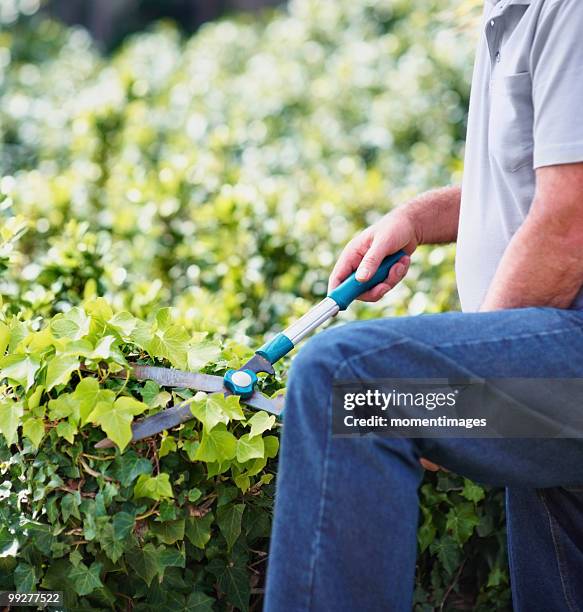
317 361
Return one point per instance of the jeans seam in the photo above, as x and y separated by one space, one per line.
347 363
323 495
404 339
559 554
502 338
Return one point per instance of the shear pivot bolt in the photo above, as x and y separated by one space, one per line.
241 379
240 382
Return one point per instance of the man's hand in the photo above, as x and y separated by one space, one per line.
430 218
430 466
365 252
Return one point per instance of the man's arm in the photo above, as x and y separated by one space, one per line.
543 263
435 214
430 218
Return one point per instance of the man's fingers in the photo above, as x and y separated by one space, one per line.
429 465
371 261
376 293
348 261
365 257
397 272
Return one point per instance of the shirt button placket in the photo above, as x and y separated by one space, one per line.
494 36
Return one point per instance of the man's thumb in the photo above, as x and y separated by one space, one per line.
369 264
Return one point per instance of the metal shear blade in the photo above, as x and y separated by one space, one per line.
176 415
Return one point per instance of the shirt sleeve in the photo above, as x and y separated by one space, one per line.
557 84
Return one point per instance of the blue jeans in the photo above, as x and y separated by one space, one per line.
346 512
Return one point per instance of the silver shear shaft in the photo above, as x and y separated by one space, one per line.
317 315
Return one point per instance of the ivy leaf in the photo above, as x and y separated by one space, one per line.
202 353
209 412
171 556
123 524
199 602
230 405
102 350
75 557
260 422
33 401
60 369
235 583
25 578
271 446
233 580
89 527
167 446
194 494
112 545
149 393
86 579
141 334
198 530
73 324
169 531
145 562
57 576
154 487
20 368
10 415
87 394
170 343
116 418
4 338
8 543
123 323
249 448
217 445
497 577
448 553
243 482
34 430
67 431
127 467
190 447
229 522
426 532
64 407
472 491
461 521
255 466
164 318
70 506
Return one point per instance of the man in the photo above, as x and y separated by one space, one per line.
344 537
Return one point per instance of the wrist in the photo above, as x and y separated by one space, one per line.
411 218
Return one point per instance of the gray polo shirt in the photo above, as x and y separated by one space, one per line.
526 111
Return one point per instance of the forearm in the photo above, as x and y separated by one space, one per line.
540 267
435 214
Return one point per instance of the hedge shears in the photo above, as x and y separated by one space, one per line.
242 382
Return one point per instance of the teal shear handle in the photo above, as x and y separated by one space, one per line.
338 299
350 289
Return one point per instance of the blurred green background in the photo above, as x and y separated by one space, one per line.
221 173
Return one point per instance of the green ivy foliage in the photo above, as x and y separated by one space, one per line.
175 522
170 205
